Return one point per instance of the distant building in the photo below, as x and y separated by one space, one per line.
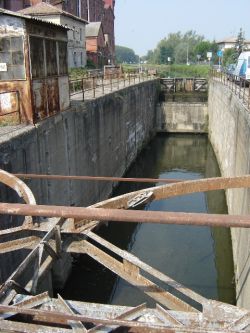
230 42
89 10
95 44
34 82
76 34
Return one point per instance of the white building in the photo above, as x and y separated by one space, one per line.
76 35
229 43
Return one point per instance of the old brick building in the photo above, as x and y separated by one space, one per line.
14 5
90 10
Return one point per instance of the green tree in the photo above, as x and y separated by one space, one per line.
176 46
148 57
125 55
206 46
182 55
239 45
228 56
202 48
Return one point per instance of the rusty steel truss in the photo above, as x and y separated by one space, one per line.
72 230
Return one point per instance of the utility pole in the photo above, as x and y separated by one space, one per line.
88 10
187 55
80 8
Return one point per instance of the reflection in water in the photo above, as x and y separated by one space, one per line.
198 257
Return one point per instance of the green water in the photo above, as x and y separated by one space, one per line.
198 257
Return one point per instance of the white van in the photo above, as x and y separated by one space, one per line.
242 69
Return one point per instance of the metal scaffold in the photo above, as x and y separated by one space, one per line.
67 230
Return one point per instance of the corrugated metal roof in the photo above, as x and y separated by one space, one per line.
93 28
45 9
32 18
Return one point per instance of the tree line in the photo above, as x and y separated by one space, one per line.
182 48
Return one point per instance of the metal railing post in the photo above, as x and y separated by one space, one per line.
19 108
249 96
83 89
244 88
93 86
102 86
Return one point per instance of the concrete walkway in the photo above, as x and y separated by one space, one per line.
108 88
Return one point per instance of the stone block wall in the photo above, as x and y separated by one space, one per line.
182 117
100 137
229 131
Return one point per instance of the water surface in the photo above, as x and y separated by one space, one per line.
198 257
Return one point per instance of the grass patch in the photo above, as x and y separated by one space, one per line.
173 70
76 73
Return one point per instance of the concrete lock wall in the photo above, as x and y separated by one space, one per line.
229 131
177 117
99 138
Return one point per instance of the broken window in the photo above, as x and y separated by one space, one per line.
37 57
51 58
11 59
63 58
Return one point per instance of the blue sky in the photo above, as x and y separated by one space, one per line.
141 24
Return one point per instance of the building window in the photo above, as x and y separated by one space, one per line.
51 59
80 34
63 58
12 58
37 57
79 9
74 58
74 32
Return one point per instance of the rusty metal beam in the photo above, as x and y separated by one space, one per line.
13 231
129 315
120 215
95 178
15 327
6 293
168 316
77 326
182 188
130 273
18 244
21 189
29 302
17 185
34 301
63 318
146 268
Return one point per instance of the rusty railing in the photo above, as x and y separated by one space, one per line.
178 309
99 84
238 85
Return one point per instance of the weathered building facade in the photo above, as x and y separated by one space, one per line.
14 5
89 10
34 72
95 44
76 34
